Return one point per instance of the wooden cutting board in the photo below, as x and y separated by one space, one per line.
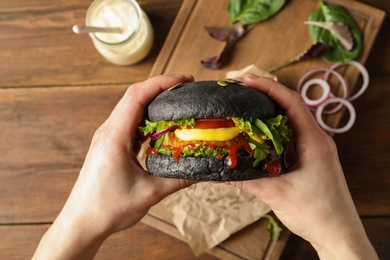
270 43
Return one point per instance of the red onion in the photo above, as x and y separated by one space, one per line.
335 73
363 72
328 97
352 115
325 92
155 136
310 72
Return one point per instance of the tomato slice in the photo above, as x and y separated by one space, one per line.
209 123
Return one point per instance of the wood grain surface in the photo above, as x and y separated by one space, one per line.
278 39
55 90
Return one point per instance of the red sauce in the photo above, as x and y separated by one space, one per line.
247 147
272 167
151 151
232 153
211 146
176 153
232 156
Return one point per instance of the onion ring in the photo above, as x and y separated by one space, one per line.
363 72
352 115
328 97
325 92
327 71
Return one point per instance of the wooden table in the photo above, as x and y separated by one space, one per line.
55 90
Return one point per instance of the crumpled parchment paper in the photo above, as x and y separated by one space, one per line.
249 69
208 213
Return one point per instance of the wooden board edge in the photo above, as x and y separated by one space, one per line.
172 38
167 228
273 251
162 226
375 19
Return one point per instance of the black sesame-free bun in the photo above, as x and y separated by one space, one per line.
205 169
205 99
209 99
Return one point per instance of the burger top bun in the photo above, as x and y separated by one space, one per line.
211 99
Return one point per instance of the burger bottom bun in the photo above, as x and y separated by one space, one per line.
205 169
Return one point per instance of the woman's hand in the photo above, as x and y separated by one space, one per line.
313 199
112 192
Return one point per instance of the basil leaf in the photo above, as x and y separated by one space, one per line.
335 14
253 11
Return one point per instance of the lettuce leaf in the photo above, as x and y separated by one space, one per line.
152 127
274 129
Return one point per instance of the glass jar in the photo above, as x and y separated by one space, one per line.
136 38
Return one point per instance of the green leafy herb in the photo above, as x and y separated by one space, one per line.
337 29
273 227
158 142
335 14
326 43
151 127
275 129
253 11
261 151
247 126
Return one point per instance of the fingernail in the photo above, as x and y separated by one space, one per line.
188 77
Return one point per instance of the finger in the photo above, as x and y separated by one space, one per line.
162 187
290 101
128 113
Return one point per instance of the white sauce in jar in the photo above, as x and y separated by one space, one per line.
136 37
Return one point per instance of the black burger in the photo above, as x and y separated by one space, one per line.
215 130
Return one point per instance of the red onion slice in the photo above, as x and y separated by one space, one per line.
314 103
327 71
363 72
328 97
352 115
155 136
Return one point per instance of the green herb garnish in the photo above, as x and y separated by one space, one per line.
273 227
252 11
335 14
